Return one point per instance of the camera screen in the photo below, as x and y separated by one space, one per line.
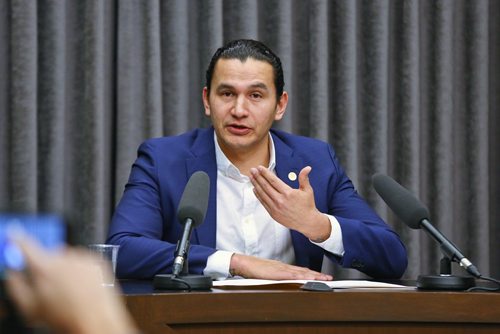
47 229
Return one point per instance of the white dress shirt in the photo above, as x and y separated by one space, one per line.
244 226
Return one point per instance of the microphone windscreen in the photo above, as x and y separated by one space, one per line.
406 206
194 200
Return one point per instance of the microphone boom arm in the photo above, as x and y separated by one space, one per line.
449 249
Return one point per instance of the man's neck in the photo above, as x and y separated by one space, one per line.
244 160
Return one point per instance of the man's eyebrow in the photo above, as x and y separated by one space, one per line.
260 85
224 86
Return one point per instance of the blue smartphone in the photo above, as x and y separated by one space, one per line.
48 229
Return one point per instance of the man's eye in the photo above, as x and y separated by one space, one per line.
256 95
227 94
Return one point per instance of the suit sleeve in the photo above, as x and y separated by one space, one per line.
145 226
370 245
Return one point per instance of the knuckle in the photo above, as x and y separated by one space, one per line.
280 203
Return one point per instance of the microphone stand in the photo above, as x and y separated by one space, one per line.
445 280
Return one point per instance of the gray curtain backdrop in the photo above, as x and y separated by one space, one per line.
407 88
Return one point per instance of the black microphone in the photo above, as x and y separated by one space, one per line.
414 214
191 213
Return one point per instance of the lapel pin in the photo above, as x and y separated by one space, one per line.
292 176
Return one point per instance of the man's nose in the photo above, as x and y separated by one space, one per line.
240 107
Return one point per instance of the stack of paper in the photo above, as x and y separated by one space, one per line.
340 284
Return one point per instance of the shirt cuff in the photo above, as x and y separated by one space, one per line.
218 265
334 243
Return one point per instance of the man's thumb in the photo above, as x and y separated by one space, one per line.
304 178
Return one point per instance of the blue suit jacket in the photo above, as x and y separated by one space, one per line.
146 226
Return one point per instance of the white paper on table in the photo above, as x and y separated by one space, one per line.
340 284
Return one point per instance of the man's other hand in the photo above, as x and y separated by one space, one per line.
253 267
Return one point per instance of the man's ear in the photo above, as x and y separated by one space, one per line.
281 106
206 104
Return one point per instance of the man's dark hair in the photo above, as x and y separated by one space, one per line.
243 49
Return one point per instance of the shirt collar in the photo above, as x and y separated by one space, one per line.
226 167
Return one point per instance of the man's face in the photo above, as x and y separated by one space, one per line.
242 104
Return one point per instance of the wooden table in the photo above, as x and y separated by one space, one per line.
290 310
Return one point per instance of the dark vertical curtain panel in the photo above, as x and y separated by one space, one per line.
406 88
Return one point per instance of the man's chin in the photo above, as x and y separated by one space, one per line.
238 144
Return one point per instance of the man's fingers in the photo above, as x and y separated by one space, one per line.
262 187
322 277
269 189
263 199
268 180
263 190
306 273
294 272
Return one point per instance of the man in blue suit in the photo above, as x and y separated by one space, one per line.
278 202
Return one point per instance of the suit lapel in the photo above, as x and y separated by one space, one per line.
203 159
288 164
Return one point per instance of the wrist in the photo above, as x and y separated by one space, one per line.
321 228
233 265
236 266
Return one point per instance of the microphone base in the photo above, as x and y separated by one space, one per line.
182 282
444 282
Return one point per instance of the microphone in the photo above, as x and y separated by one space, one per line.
414 214
191 213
